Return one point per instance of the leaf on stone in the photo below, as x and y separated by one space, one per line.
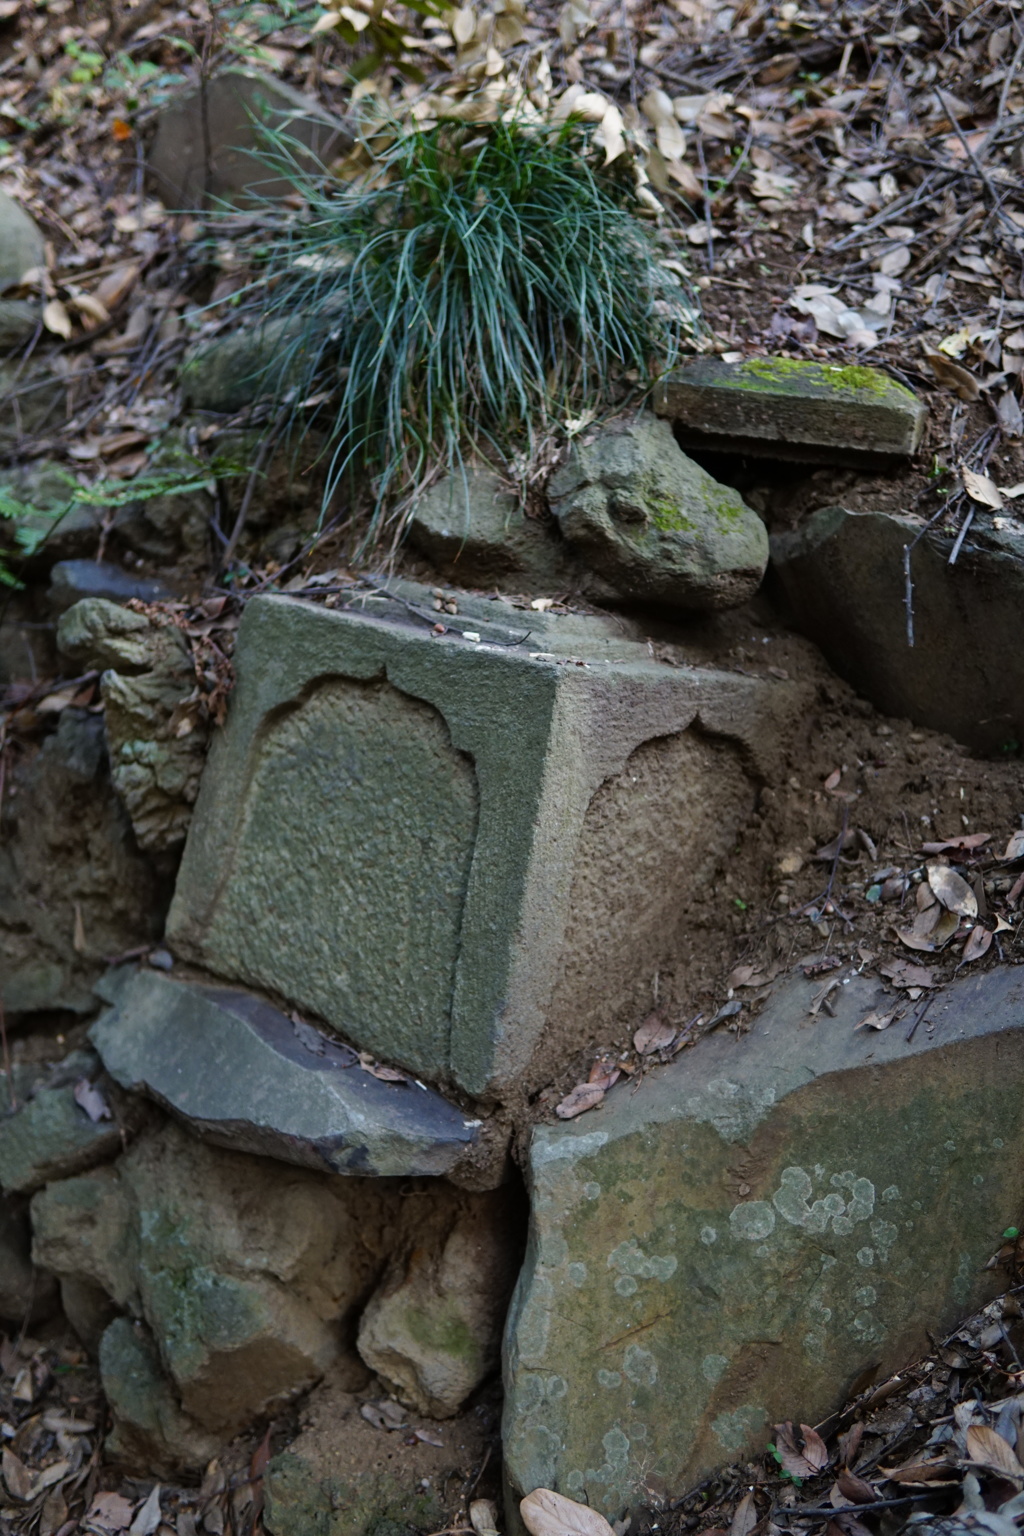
982 488
990 1450
583 1097
17 1477
902 974
385 1074
110 1512
979 942
654 1034
855 1488
551 1514
745 1517
952 890
875 1020
803 1461
91 1100
147 1516
953 376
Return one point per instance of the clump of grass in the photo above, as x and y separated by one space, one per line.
480 289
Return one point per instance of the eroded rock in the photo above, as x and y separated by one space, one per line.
730 1245
22 249
655 525
51 1136
148 677
791 408
246 1272
432 1330
74 888
150 1429
428 841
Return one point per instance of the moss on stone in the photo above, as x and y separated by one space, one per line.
669 517
764 372
449 1334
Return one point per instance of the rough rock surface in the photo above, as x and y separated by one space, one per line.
21 249
226 113
654 524
149 675
474 529
31 401
249 1078
246 1272
843 575
69 871
789 408
735 1242
432 1330
57 529
427 840
50 1136
150 1430
233 371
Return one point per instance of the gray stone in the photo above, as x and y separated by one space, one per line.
157 747
474 529
246 1077
654 524
21 249
73 580
69 869
432 1331
734 1242
51 1137
843 575
234 371
150 1430
786 408
247 1273
224 115
427 840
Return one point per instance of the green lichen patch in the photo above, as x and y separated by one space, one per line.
791 375
669 517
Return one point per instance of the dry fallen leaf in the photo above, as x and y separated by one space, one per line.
583 1097
19 1480
917 1472
745 1518
110 1512
903 974
483 1517
875 1020
654 1034
953 376
979 943
982 488
989 1449
805 1461
92 1101
57 319
551 1514
965 844
952 890
855 1488
1015 847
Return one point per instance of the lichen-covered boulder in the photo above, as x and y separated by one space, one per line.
157 749
432 1331
654 524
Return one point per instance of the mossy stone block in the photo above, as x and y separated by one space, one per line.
789 408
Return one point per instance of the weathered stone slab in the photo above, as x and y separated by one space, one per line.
732 1244
653 523
844 577
21 250
786 408
72 580
427 839
208 147
245 1076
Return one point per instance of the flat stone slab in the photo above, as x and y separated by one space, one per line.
246 1077
427 839
785 408
843 574
730 1245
